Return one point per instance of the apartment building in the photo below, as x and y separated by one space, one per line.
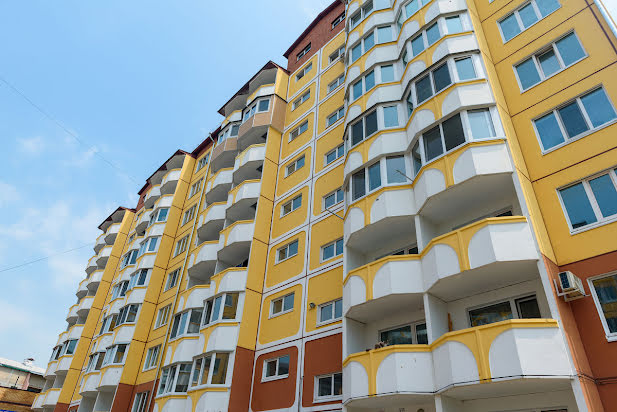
416 214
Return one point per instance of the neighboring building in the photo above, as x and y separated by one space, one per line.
387 224
19 383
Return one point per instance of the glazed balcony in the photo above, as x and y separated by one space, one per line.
84 306
103 257
255 129
152 196
223 154
480 253
202 262
143 222
170 181
51 397
219 185
242 201
92 266
212 221
517 356
235 242
249 163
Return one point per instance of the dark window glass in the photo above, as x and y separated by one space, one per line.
453 132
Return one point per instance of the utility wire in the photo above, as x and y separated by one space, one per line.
60 125
45 257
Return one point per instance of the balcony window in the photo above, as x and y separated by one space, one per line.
443 137
109 323
189 215
604 293
152 356
95 362
522 308
140 403
334 154
292 205
393 167
172 279
138 278
301 100
412 334
575 119
333 85
387 73
210 369
186 323
336 55
332 250
549 61
390 116
228 302
525 16
303 72
68 348
333 198
129 258
231 130
409 10
277 368
295 165
451 25
330 312
159 215
591 201
336 116
162 316
329 387
128 314
282 305
181 245
115 354
364 128
119 290
202 162
432 33
175 378
148 246
287 251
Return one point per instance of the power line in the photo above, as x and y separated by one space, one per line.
60 125
45 257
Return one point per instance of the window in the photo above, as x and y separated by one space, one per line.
138 278
364 128
172 279
152 356
175 378
298 130
131 238
358 184
212 308
574 119
186 323
181 245
295 165
303 52
95 362
390 116
196 187
287 251
333 198
395 169
189 215
301 100
334 117
263 105
433 33
119 290
374 176
552 59
330 312
148 245
443 137
276 368
481 123
604 291
522 308
338 20
159 215
230 130
334 154
410 9
210 369
432 83
329 386
141 402
303 72
336 83
387 73
332 250
108 324
363 85
202 162
162 317
525 16
128 314
414 334
115 354
129 258
69 347
591 201
465 69
292 205
336 55
282 305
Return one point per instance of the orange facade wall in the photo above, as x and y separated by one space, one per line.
279 393
321 357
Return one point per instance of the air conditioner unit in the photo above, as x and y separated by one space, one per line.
570 286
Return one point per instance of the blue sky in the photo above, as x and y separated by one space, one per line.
137 80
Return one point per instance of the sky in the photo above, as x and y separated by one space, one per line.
131 81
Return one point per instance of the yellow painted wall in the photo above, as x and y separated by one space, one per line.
287 147
323 288
282 326
326 184
282 225
285 183
322 233
293 115
296 85
289 268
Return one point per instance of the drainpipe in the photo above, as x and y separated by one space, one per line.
184 269
607 16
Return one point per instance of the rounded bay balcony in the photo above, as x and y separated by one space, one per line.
143 222
152 196
242 201
170 181
100 243
110 377
103 257
84 306
235 242
111 233
249 163
476 258
219 185
93 281
72 315
223 154
202 262
211 222
90 383
82 290
51 397
64 364
512 355
38 401
92 266
50 372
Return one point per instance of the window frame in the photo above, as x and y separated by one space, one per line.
202 162
171 282
337 21
329 398
162 316
335 256
336 151
170 381
300 100
513 306
188 215
286 246
219 316
298 130
338 113
519 21
195 188
610 336
295 165
277 376
140 401
283 310
303 52
212 356
334 318
336 201
304 71
113 351
291 203
181 246
336 83
336 55
150 361
414 330
185 328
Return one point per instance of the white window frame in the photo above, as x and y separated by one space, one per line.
303 52
140 402
519 21
337 21
219 315
363 14
120 321
202 162
338 113
298 102
305 70
189 214
290 203
513 307
335 256
162 317
212 356
265 378
172 279
172 381
600 219
412 325
286 247
336 83
336 151
195 188
610 336
329 398
185 332
334 318
336 202
296 132
181 245
283 310
112 351
336 55
152 357
295 166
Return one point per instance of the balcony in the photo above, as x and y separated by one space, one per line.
255 129
93 281
50 372
203 262
72 315
235 242
84 306
38 401
103 257
75 332
223 154
213 220
152 196
100 242
170 181
478 257
64 364
249 163
82 290
516 355
92 266
90 383
110 377
242 201
219 185
51 397
143 222
111 233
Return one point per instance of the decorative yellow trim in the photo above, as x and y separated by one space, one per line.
226 121
241 155
213 177
236 189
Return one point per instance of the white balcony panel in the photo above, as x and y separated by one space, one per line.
223 338
164 201
170 181
103 342
51 369
211 223
198 295
64 363
143 221
211 401
217 189
84 305
91 266
146 261
124 333
64 336
103 256
38 401
75 332
179 405
100 242
187 348
116 304
91 382
247 163
233 281
51 397
202 264
152 196
94 280
72 315
136 295
82 290
110 377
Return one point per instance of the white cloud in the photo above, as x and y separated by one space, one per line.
8 194
31 146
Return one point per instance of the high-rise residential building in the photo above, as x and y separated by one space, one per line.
418 214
